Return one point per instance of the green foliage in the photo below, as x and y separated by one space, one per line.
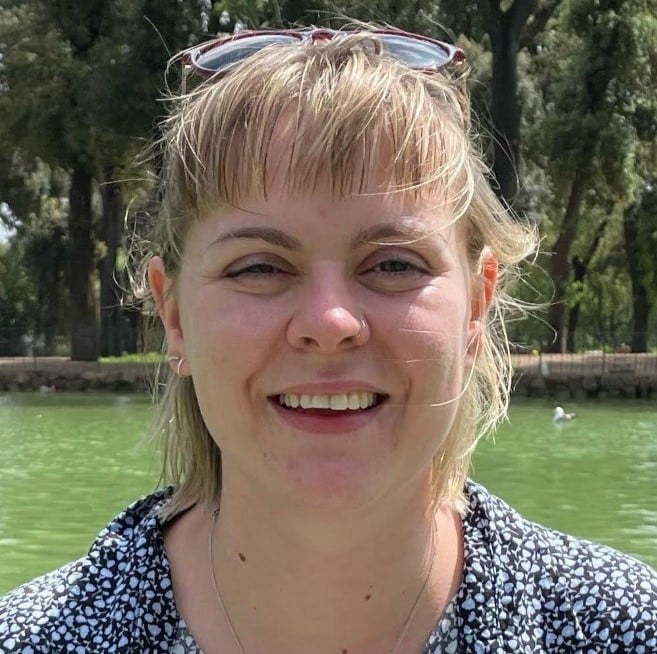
37 194
646 245
79 88
142 357
598 80
80 81
414 15
594 69
17 294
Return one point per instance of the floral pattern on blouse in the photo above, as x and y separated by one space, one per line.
525 588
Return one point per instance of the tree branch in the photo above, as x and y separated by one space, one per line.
538 22
599 232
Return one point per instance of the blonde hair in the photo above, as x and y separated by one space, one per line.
351 107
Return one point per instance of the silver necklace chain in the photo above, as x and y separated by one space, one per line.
405 626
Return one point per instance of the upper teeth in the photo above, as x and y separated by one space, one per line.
338 402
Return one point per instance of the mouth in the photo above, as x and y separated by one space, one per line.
329 405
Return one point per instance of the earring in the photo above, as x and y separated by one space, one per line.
363 327
180 361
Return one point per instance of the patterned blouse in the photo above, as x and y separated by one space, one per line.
524 589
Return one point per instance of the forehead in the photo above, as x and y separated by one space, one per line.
321 223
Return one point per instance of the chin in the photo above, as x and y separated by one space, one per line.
332 484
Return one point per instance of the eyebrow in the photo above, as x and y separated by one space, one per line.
404 231
270 235
407 230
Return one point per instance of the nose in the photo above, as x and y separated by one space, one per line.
326 318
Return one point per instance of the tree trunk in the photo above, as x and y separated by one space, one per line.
571 329
54 300
579 270
505 29
560 265
640 314
50 306
110 294
81 269
505 110
640 292
580 266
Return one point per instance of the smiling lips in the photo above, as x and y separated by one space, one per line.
328 413
336 401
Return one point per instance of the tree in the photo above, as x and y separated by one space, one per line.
44 77
129 63
78 85
510 30
640 231
410 14
17 300
581 264
594 127
35 198
510 27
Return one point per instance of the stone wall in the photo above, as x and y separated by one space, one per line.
590 374
576 386
531 379
78 376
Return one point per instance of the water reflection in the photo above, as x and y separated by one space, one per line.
594 476
69 463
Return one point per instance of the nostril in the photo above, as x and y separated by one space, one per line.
327 330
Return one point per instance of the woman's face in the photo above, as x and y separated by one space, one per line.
307 402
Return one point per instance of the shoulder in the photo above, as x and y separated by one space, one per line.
586 592
101 593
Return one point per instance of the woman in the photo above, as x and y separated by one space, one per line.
330 265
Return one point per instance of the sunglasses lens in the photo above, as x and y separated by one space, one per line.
228 53
416 53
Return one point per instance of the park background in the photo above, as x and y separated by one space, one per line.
564 91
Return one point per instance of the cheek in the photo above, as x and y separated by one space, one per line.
434 322
220 319
429 338
227 344
228 337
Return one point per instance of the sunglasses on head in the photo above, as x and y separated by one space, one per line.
218 56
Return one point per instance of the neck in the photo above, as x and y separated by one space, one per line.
347 582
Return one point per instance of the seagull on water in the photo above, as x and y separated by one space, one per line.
561 416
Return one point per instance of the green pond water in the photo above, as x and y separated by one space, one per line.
69 463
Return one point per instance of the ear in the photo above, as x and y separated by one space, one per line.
162 288
483 290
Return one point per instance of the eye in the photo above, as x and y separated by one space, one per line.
258 267
396 266
393 269
256 270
